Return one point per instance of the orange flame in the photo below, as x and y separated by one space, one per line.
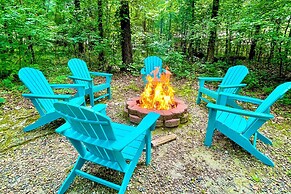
158 93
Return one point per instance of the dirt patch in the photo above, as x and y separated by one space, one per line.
39 161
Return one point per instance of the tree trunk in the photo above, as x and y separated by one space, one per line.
285 54
170 25
274 42
161 26
101 31
126 46
252 52
77 10
30 47
192 20
212 37
144 41
226 51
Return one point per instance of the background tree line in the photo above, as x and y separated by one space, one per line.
191 36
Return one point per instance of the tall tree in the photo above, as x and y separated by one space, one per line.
126 47
252 52
100 29
192 30
77 11
212 37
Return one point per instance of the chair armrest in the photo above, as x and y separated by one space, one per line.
240 111
107 75
142 71
32 96
210 78
241 98
101 74
78 86
147 123
232 86
79 78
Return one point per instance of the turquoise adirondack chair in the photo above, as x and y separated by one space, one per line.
81 75
230 83
101 141
233 124
43 96
150 64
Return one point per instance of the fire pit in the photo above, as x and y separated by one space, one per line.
158 96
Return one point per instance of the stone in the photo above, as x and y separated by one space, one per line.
142 112
167 115
159 123
130 103
134 119
177 112
133 110
172 123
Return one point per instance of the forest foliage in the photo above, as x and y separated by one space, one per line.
48 33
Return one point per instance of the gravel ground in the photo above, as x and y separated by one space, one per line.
39 161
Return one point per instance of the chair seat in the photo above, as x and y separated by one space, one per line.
121 130
233 121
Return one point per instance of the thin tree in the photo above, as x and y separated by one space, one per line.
126 47
252 52
100 29
77 11
192 23
212 37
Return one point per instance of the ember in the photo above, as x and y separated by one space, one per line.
158 93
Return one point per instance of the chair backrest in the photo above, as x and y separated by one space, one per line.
90 126
151 63
276 94
234 76
36 82
79 69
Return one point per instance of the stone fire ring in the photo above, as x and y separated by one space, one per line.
169 118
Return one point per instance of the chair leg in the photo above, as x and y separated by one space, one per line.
198 100
264 138
130 170
66 184
148 147
42 121
209 135
109 93
210 128
245 144
91 95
